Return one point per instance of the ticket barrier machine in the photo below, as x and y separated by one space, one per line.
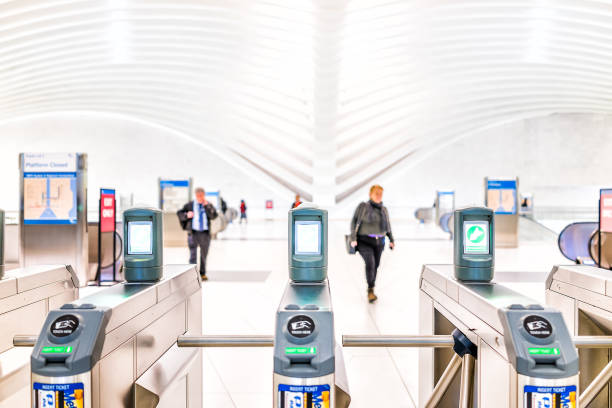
511 351
108 349
525 352
26 295
584 295
308 366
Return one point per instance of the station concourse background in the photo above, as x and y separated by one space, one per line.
319 97
264 99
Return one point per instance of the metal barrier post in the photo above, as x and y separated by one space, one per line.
466 391
24 341
596 386
444 382
225 341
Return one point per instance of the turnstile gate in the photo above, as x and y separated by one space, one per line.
26 295
309 368
583 294
498 320
511 351
107 349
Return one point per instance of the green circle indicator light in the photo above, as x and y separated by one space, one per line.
476 234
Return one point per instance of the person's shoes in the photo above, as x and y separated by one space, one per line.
204 277
371 296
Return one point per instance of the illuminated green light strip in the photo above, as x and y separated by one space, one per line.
57 350
543 351
300 350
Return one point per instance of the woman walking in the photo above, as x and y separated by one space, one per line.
369 227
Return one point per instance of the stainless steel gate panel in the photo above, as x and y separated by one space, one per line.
445 304
26 296
584 295
126 329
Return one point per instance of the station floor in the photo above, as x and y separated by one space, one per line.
248 272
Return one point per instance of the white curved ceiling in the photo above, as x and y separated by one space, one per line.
319 96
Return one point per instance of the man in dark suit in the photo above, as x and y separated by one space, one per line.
195 217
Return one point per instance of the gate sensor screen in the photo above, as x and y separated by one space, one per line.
475 237
307 237
140 238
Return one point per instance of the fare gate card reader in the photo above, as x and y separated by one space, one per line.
304 342
540 349
143 244
304 348
307 243
68 348
474 244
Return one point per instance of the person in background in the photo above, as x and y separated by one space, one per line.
525 203
297 201
369 227
195 217
243 215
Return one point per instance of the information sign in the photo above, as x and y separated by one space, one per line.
107 210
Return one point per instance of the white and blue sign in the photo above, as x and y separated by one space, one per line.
549 397
502 196
446 200
49 188
304 396
58 395
173 183
174 194
49 162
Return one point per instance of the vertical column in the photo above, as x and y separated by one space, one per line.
327 48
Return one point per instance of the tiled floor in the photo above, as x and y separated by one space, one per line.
377 377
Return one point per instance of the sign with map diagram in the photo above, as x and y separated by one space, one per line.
49 188
502 196
174 194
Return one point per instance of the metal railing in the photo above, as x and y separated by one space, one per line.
225 341
466 363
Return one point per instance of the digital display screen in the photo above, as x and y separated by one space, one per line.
300 350
307 237
140 238
543 351
475 237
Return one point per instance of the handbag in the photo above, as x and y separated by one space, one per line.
349 248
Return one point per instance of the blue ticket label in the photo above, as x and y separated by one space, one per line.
304 396
58 395
549 397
